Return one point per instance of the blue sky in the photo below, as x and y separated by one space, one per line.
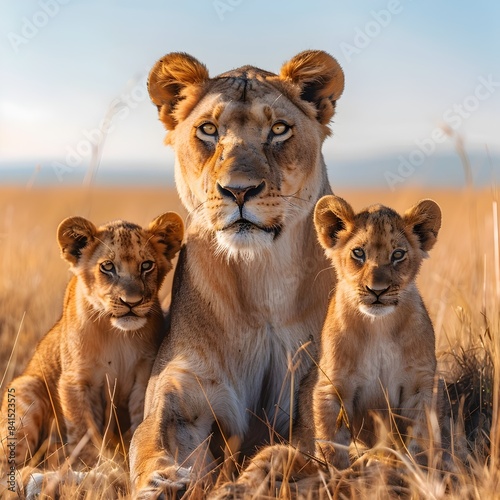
410 66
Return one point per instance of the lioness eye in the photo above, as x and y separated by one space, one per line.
147 265
209 129
398 255
358 254
280 128
107 267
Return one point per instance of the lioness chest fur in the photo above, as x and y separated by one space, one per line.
250 288
378 347
88 375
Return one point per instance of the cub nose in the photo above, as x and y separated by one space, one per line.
377 291
240 193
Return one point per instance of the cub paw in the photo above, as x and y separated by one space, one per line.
335 455
49 484
417 453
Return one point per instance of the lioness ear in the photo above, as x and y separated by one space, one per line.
167 80
332 215
73 235
424 219
320 79
167 231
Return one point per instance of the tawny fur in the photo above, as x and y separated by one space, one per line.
94 364
378 346
251 286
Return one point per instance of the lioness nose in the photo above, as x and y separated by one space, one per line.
131 301
241 194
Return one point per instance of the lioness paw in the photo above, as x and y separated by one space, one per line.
168 483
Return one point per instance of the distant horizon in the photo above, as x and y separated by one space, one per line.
392 171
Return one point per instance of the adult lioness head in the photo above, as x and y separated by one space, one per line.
248 143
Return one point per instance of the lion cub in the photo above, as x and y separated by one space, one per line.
378 346
91 369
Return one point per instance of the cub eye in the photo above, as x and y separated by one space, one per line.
398 255
107 267
147 265
358 254
280 128
208 129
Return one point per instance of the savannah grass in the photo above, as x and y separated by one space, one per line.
460 284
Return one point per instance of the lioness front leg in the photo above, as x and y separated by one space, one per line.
169 449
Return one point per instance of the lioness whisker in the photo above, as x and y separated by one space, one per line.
323 270
276 100
195 209
286 196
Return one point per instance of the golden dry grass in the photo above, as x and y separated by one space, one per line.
460 284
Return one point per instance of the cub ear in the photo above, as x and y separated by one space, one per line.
167 231
424 220
331 216
73 235
167 80
320 79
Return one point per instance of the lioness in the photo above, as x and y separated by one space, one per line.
95 362
249 288
377 345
